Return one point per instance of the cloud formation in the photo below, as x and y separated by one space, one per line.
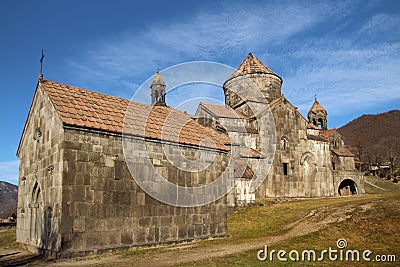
317 47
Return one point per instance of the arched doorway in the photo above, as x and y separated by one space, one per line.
347 188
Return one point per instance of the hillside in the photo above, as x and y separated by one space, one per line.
8 199
368 130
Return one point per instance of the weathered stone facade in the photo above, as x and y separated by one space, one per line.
309 159
41 177
76 194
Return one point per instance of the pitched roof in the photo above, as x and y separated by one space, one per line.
252 65
88 109
271 104
158 79
223 111
240 129
317 107
242 170
343 152
328 133
246 152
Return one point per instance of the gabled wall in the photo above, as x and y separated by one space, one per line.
308 163
40 177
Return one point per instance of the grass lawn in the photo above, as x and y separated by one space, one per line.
376 229
370 222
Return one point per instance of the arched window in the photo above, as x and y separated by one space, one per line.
35 212
284 143
320 123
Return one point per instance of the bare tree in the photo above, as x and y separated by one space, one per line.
388 151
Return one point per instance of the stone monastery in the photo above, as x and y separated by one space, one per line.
77 194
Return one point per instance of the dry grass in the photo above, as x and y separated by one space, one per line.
375 229
372 223
7 238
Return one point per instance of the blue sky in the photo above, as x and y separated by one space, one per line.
346 52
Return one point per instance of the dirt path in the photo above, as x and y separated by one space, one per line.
186 253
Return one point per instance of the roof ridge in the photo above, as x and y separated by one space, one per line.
91 91
316 107
252 65
158 79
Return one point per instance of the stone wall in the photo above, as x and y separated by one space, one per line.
354 176
103 207
238 88
40 177
301 167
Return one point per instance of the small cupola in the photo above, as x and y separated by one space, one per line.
317 115
158 90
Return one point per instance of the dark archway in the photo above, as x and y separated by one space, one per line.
347 188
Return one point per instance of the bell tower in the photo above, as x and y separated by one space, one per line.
158 90
318 115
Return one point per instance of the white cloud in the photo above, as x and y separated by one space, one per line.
9 171
345 77
342 64
233 30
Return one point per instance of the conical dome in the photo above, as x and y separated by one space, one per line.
252 65
317 107
252 72
158 79
318 115
158 90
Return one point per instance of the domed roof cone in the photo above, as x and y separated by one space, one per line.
158 79
317 107
252 65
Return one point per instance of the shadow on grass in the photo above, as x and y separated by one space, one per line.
19 261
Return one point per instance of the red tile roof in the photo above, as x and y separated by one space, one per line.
252 65
88 109
328 133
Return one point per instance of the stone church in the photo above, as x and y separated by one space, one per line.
77 194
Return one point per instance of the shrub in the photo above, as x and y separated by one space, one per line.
388 177
382 175
395 181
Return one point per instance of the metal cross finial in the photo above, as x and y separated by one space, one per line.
315 97
41 62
